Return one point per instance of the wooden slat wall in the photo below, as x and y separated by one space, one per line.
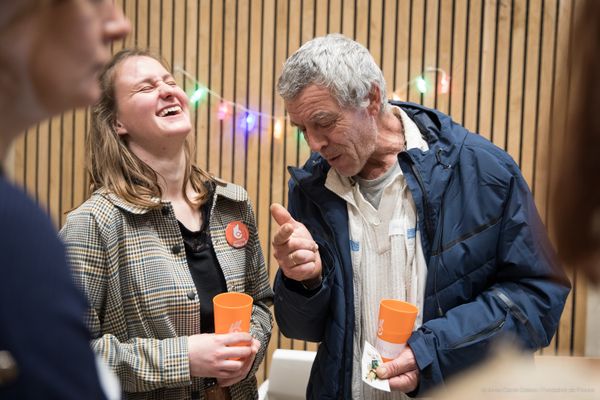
503 57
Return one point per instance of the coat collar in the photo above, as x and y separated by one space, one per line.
222 188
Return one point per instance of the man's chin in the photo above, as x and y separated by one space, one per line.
345 172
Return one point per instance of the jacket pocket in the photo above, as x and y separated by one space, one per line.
520 315
489 331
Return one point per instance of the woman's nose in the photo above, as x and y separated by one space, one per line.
116 26
165 89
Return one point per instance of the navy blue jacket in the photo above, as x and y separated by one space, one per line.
41 310
491 268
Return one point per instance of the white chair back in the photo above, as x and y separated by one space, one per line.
288 375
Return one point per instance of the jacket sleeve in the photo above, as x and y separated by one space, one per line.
522 304
142 364
258 286
301 313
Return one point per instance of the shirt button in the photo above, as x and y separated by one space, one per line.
176 249
191 295
165 210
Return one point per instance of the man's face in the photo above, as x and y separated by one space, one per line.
345 137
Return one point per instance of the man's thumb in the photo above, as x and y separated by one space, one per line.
280 214
388 369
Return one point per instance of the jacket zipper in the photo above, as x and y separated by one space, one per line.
425 201
486 332
331 240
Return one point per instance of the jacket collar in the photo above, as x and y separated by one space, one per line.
222 188
439 132
229 190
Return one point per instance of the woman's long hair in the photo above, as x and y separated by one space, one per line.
111 165
576 210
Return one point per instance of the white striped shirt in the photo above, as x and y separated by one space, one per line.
387 257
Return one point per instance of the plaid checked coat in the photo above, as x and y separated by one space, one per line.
130 261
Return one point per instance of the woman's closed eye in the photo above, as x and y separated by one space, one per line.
146 88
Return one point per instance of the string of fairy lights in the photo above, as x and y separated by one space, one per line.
248 119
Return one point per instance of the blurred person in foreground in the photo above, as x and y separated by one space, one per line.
157 240
398 201
575 213
51 53
576 209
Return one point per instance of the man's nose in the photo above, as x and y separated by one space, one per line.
315 141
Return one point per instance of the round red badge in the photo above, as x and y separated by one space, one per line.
237 234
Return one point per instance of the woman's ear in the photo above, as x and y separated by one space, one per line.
120 128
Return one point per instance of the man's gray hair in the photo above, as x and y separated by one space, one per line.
338 63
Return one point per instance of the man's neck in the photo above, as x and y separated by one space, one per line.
390 142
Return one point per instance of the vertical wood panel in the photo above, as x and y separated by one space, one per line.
460 14
515 89
488 42
292 40
530 90
502 57
348 10
278 156
388 52
473 35
401 73
416 43
267 96
444 50
430 47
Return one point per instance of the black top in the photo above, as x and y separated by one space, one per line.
205 269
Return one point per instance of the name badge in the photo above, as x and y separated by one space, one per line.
237 234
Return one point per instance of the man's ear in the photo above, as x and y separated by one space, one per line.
120 128
374 106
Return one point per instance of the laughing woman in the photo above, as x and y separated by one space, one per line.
150 247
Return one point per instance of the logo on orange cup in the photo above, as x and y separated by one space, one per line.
380 328
237 234
236 326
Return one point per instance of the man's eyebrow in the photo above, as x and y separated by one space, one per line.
321 116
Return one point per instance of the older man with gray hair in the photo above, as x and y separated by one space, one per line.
397 201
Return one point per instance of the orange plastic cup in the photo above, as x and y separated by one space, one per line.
232 312
396 323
